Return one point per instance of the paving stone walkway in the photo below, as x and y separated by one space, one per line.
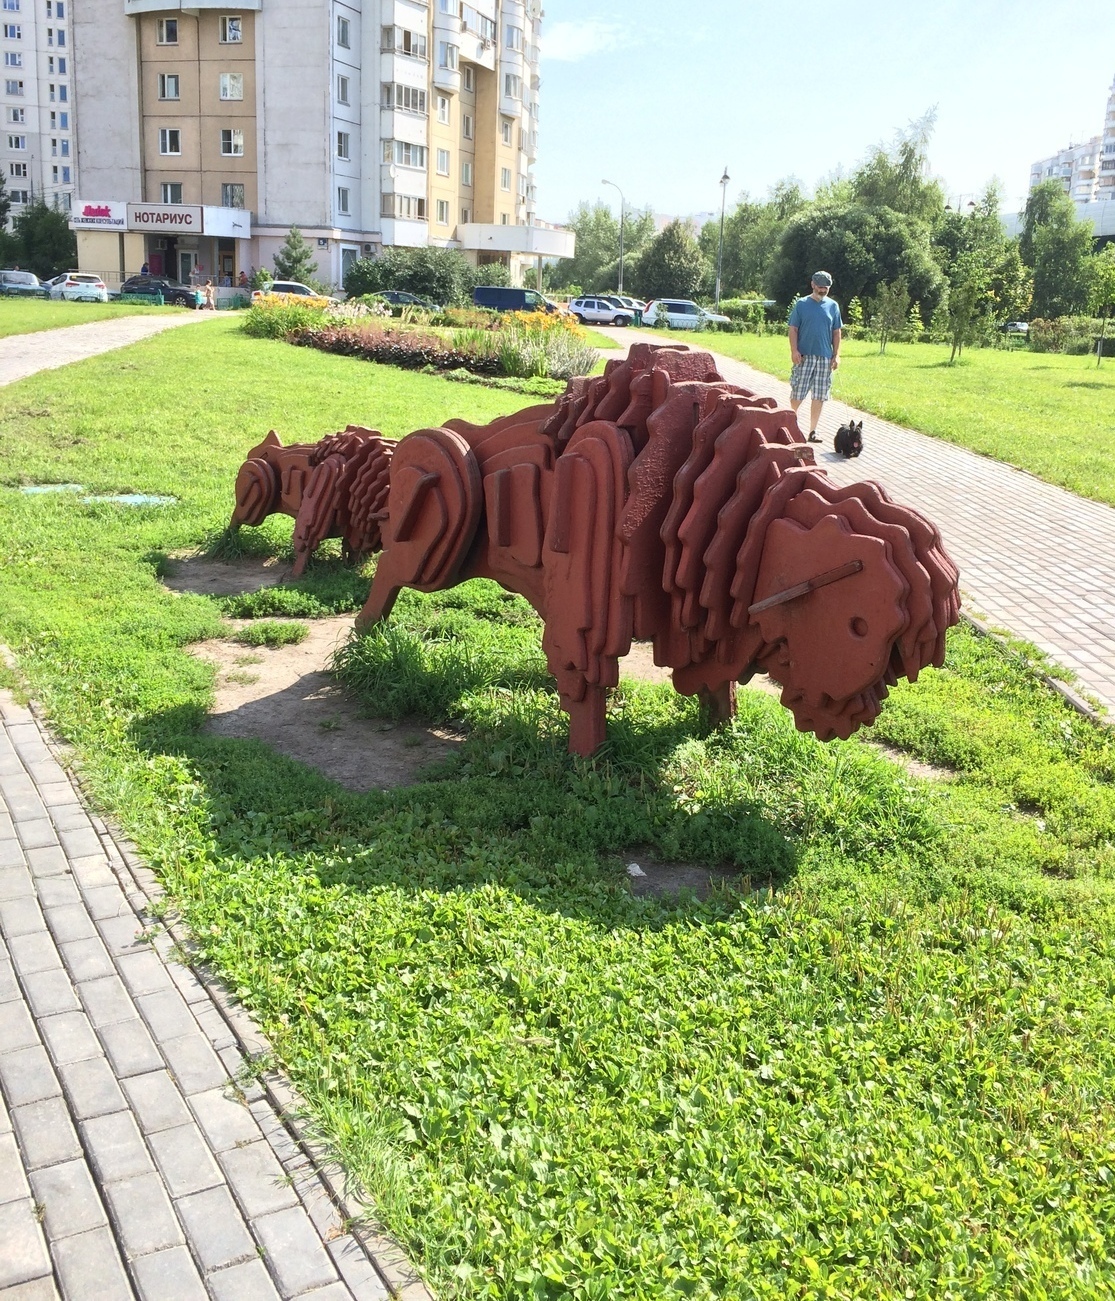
22 355
139 1157
1034 559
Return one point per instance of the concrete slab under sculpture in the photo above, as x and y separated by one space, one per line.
655 501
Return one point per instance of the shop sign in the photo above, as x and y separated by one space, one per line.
98 215
164 217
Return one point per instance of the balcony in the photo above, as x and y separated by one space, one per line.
536 241
185 6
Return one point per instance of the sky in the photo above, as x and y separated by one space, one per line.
660 96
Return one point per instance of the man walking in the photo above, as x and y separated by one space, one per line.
815 327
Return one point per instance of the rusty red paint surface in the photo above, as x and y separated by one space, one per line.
653 501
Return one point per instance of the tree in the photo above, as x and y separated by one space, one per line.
1047 205
295 260
863 248
671 264
980 230
595 263
44 242
1103 291
751 234
969 298
890 310
442 275
5 203
898 178
1062 269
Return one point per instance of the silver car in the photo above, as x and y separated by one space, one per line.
599 311
682 314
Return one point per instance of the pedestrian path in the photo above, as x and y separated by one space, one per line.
1034 559
139 1155
22 355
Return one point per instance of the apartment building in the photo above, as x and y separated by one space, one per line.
209 129
38 131
1086 170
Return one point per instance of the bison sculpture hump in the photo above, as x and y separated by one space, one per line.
655 501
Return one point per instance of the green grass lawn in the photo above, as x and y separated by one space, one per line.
1043 412
29 315
879 1067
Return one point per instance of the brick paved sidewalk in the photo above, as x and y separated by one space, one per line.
138 1158
27 354
1034 559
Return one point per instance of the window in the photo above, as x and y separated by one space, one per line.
443 162
170 140
505 178
447 55
166 31
466 125
343 33
232 194
168 85
342 144
404 153
65 176
409 98
470 78
443 109
63 94
63 120
466 173
21 196
54 149
17 169
13 59
466 215
13 32
512 86
172 191
514 38
232 142
232 85
503 220
342 90
20 115
64 148
506 129
14 88
62 66
406 206
443 212
17 142
401 41
11 6
50 35
232 30
450 7
342 200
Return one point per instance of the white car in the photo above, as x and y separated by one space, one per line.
290 287
79 286
599 311
681 313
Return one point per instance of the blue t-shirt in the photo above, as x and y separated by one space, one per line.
815 323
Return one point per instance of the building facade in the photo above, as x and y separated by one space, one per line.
209 129
1087 170
38 152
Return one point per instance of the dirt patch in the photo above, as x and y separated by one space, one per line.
205 577
651 877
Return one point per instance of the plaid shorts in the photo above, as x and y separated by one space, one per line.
811 378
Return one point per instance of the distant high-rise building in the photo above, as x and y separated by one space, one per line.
209 129
38 155
1087 170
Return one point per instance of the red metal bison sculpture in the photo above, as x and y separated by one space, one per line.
658 502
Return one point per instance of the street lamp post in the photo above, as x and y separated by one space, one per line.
621 206
720 249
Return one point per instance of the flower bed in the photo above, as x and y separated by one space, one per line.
408 349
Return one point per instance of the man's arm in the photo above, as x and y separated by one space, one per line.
836 337
795 356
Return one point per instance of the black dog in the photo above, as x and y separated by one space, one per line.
849 439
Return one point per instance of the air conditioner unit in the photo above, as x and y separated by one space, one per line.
368 248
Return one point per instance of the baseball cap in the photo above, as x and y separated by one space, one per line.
822 278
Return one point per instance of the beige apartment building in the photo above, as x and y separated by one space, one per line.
209 129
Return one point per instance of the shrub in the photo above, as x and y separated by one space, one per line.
409 349
1075 335
468 318
272 632
275 316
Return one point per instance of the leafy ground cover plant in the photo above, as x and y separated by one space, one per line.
878 1066
1049 414
272 632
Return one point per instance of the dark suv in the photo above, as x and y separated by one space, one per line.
171 291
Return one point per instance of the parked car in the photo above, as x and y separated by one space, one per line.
600 311
681 313
502 299
79 286
1015 327
290 287
172 291
22 284
622 300
402 298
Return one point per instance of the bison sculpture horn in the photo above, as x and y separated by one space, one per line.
655 501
